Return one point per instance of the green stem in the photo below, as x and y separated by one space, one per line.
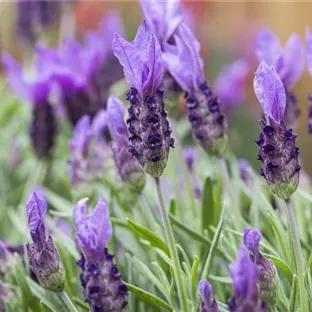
172 248
298 256
71 307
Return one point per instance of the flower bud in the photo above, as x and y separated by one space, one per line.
209 304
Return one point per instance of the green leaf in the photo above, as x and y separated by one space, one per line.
293 295
147 235
58 202
148 297
173 207
194 275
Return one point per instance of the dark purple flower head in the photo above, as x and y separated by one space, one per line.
245 283
93 231
288 63
100 279
163 17
148 126
277 150
44 260
268 277
127 165
183 62
229 86
209 304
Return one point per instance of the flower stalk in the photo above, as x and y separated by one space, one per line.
172 248
299 265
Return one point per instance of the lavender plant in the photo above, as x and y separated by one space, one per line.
191 241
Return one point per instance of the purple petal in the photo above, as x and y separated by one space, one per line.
82 136
92 232
270 92
205 290
80 212
115 115
268 47
229 85
36 208
245 278
309 50
141 60
183 59
163 17
252 239
293 61
15 79
189 156
99 124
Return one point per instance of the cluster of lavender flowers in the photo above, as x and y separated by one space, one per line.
72 81
254 277
100 279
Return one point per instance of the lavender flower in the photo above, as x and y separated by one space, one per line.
229 85
268 278
209 304
183 61
244 170
148 125
100 278
44 260
309 63
35 91
277 150
245 284
128 167
288 63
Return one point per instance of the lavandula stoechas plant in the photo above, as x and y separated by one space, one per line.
245 285
128 168
44 260
277 149
150 133
209 304
267 273
88 149
204 109
288 63
100 279
34 88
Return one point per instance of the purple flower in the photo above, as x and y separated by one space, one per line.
277 150
34 90
99 278
79 165
245 284
94 231
163 17
128 167
244 169
268 277
209 304
44 260
288 63
148 126
229 85
182 60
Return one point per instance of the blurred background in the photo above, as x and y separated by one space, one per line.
226 31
